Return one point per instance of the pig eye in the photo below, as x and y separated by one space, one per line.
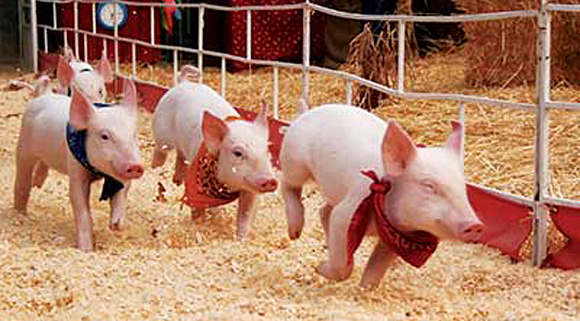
429 186
104 137
238 154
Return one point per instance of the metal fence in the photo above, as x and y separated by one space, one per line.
541 199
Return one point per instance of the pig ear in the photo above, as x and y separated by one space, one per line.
261 119
64 72
214 130
130 95
104 69
455 140
81 110
69 53
41 86
188 70
398 150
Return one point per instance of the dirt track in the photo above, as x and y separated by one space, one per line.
166 267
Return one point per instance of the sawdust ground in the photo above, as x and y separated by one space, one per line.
163 266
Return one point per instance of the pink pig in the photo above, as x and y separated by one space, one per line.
332 144
91 81
190 114
67 134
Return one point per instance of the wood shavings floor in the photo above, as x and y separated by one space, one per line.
163 266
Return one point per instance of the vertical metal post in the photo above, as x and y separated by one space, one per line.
45 39
223 78
306 11
348 91
105 47
175 66
34 35
86 47
249 34
276 91
116 43
462 147
201 24
541 159
21 25
401 36
54 20
76 26
152 13
65 35
134 60
94 10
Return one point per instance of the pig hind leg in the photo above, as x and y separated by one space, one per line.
337 267
40 174
24 178
180 168
325 211
291 188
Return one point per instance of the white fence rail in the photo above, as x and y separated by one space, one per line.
540 199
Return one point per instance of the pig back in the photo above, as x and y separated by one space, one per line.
43 130
336 142
191 100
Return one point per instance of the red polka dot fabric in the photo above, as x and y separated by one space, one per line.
276 35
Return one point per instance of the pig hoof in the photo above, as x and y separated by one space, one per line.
116 226
86 247
294 235
330 273
368 285
242 236
177 181
197 213
20 210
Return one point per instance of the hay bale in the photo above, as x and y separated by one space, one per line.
373 58
503 53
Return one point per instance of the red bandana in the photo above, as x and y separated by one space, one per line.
230 119
202 189
415 248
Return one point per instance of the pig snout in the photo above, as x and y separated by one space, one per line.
132 171
470 231
266 184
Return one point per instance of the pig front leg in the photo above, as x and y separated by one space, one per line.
159 156
245 214
119 208
180 168
79 192
378 262
294 209
337 267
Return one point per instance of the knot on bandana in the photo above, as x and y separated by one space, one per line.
414 248
202 188
380 187
76 140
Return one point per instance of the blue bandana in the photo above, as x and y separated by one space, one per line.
77 144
